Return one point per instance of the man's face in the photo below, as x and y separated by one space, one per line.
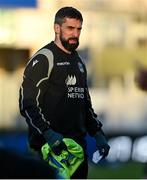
69 33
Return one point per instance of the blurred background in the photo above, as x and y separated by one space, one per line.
113 44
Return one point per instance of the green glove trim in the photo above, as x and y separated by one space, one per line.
68 161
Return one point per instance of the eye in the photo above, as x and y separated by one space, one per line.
80 29
70 27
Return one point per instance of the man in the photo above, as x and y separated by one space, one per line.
54 97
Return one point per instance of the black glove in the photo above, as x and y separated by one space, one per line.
54 140
102 144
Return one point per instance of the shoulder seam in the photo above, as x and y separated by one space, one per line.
49 55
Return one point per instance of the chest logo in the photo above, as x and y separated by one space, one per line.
81 68
70 80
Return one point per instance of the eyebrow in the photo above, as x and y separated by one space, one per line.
74 27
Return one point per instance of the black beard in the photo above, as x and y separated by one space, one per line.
67 45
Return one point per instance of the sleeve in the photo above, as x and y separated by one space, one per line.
33 86
93 124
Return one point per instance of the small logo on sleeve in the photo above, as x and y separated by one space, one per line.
34 62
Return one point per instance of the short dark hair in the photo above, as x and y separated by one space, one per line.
67 12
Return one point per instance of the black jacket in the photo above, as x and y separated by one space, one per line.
54 94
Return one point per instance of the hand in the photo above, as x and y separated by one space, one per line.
54 140
58 149
102 144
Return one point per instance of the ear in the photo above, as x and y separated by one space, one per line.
57 28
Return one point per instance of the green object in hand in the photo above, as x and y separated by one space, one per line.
68 161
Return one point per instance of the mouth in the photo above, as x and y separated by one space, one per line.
72 41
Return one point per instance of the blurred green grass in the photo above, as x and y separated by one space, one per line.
128 170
